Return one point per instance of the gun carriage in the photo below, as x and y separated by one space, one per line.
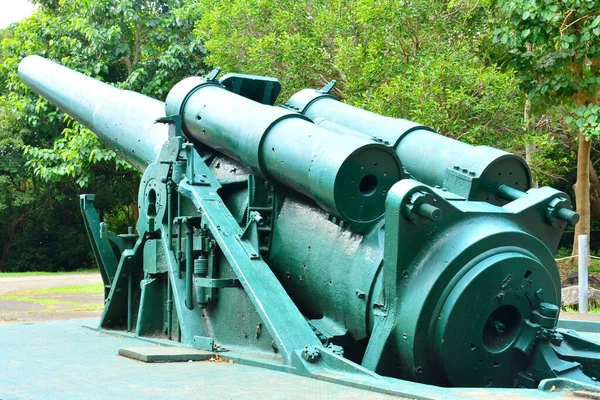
322 239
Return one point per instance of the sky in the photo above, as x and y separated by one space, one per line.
14 10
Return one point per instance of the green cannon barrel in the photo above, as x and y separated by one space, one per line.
122 119
474 172
348 176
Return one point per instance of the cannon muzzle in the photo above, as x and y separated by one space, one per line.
122 119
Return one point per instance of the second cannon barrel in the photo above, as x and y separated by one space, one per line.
473 172
348 176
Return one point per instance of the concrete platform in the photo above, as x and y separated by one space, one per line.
66 360
156 354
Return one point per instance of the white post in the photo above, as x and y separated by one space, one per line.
582 242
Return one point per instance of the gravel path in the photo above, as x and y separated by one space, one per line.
26 298
32 282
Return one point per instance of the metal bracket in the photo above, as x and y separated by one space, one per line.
261 89
327 88
213 74
262 199
99 239
217 283
204 343
197 172
249 238
174 122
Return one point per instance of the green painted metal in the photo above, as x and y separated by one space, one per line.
473 172
346 175
103 251
123 120
303 246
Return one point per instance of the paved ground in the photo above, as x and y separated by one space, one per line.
68 359
62 360
50 297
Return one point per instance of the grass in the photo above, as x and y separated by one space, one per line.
50 298
87 308
57 300
93 288
43 301
36 273
595 267
593 308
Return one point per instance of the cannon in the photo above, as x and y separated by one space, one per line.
325 240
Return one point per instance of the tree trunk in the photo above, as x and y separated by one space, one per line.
529 150
530 147
594 192
582 191
135 213
9 240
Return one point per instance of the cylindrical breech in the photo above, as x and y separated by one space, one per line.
348 176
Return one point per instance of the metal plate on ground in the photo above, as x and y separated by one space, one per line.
165 354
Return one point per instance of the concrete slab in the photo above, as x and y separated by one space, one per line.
165 354
63 360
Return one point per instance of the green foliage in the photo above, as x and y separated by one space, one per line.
555 47
563 252
418 63
432 62
36 230
586 121
141 45
72 156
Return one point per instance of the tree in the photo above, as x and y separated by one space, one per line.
37 220
395 58
141 45
555 47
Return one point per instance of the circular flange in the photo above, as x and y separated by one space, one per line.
451 290
363 181
152 198
482 319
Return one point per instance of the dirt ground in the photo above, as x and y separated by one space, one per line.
50 297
